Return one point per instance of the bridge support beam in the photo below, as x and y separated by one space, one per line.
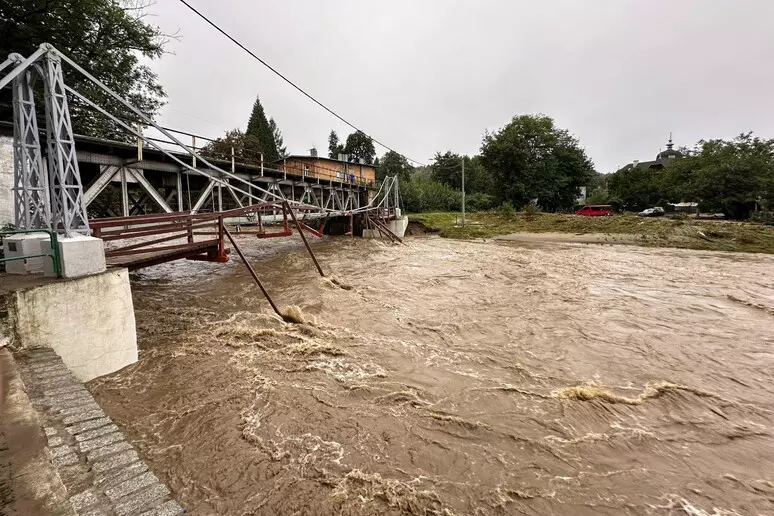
155 195
30 179
179 191
203 196
124 193
68 206
107 173
234 195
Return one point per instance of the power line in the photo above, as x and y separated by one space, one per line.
134 120
267 65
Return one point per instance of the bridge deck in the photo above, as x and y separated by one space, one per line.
196 250
145 240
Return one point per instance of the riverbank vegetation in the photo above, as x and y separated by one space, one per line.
626 228
529 160
733 177
115 40
532 162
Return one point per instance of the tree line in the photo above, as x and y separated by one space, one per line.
531 161
734 177
528 161
108 37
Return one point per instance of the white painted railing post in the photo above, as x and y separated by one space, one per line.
139 141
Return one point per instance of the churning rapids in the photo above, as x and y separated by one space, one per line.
448 378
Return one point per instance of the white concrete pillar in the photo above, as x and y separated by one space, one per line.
6 180
398 226
88 321
79 255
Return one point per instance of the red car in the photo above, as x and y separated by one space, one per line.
596 210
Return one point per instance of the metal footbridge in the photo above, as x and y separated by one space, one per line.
58 189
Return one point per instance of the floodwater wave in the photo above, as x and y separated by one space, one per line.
450 378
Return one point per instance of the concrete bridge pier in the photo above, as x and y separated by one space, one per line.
88 321
398 224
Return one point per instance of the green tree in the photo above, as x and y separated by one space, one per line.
424 195
447 169
597 181
235 139
598 196
477 179
279 144
422 172
637 187
725 176
530 158
107 37
360 146
393 164
261 135
334 146
479 202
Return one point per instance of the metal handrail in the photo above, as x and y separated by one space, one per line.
137 220
54 254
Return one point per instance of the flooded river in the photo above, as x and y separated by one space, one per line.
451 378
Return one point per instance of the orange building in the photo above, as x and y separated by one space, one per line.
328 169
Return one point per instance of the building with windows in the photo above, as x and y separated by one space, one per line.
314 166
663 158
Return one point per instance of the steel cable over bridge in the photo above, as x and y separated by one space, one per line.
49 192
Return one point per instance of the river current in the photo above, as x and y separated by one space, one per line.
444 377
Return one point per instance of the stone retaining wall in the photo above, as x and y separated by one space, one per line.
102 472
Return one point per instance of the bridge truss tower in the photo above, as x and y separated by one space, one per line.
48 189
48 193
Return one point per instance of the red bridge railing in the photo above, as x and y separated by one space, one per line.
144 240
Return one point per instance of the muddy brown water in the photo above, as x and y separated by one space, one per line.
454 378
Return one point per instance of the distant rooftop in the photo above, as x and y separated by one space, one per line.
322 158
663 158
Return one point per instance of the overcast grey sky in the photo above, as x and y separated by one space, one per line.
433 75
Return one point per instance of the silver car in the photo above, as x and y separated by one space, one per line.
658 211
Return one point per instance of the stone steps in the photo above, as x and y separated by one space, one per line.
100 469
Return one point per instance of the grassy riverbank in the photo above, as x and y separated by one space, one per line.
629 229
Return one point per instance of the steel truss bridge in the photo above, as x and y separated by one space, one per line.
118 184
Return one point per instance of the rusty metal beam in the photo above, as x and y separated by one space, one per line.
252 272
303 237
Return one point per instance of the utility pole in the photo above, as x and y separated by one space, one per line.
395 187
463 190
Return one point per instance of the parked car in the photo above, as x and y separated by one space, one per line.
658 211
596 210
